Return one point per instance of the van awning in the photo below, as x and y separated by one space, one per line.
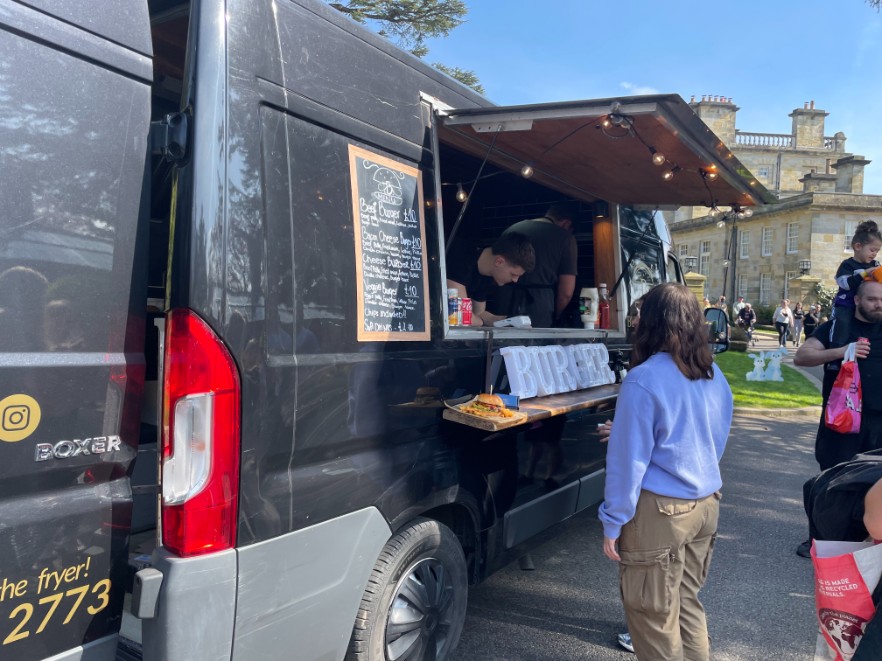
572 149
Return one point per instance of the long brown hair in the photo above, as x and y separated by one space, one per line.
671 320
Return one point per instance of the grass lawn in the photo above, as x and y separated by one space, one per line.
795 391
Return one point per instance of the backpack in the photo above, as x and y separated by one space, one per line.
834 499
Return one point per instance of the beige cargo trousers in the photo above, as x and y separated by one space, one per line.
665 554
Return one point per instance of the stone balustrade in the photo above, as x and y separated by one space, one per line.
780 141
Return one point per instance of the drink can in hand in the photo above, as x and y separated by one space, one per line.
465 305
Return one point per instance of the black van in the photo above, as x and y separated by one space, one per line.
224 342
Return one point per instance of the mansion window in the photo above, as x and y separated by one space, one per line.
742 287
850 227
765 288
766 249
744 251
788 276
704 258
792 237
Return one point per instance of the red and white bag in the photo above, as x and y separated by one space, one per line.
843 412
846 573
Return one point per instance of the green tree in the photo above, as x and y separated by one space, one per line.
408 23
825 294
464 76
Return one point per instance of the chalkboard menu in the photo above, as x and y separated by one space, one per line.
390 253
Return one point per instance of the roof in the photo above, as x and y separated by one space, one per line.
571 148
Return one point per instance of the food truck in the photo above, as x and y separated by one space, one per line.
228 381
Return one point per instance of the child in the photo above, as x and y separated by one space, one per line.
866 243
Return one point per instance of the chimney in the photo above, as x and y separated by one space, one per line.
808 127
718 112
818 182
850 174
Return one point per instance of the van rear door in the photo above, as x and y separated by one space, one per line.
74 122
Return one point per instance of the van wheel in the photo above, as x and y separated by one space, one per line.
414 605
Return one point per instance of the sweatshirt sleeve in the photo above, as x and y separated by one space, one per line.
630 448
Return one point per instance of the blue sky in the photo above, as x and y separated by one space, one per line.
769 57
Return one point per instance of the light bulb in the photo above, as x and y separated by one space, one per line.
721 223
527 171
461 195
668 175
658 158
711 176
606 123
714 212
747 213
725 262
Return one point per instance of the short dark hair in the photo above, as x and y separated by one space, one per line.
517 249
861 284
560 211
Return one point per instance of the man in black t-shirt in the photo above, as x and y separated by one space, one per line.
475 274
832 448
549 288
826 348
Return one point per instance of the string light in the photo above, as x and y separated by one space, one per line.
461 195
527 171
667 175
657 157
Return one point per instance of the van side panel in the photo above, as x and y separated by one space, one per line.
301 591
75 120
197 603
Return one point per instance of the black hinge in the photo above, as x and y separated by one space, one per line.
168 137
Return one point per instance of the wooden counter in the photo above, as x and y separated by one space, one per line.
540 408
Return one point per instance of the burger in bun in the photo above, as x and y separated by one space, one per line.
487 406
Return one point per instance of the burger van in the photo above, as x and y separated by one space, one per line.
225 353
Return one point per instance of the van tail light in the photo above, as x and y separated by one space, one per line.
200 438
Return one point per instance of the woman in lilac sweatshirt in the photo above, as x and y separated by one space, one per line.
661 501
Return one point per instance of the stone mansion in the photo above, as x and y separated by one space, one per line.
785 248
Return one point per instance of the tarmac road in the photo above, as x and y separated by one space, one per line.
759 595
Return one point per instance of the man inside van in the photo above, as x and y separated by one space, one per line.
503 263
547 291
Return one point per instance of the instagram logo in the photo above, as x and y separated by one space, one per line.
19 417
16 417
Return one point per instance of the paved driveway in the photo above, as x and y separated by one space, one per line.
759 595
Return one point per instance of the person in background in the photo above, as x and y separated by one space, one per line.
739 304
476 276
865 244
746 317
721 303
661 500
706 303
798 319
783 318
548 289
810 321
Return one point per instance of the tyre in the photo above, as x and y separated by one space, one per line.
414 605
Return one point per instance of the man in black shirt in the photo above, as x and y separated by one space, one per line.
549 288
832 448
476 275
